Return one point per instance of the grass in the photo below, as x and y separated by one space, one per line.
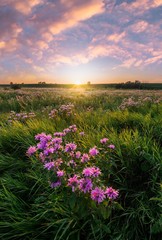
30 209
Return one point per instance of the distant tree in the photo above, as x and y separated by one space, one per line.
88 83
42 83
15 86
130 85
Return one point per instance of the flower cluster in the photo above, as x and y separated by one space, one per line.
129 102
20 116
72 168
132 102
65 110
53 113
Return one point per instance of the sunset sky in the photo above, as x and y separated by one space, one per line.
70 41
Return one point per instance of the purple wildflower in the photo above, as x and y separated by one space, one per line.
111 146
55 184
85 185
43 136
71 163
93 151
31 150
57 147
74 129
104 140
42 145
73 182
98 195
72 126
58 162
42 157
81 133
69 147
111 193
59 134
60 173
91 172
57 140
66 130
85 158
48 151
49 165
77 154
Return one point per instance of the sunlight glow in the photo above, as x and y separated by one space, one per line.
77 82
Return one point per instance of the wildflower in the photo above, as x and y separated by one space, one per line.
111 193
73 182
57 147
53 113
85 185
97 195
55 184
49 165
43 137
93 151
111 146
42 157
70 147
66 130
104 140
47 151
58 162
31 150
42 145
77 154
91 172
60 173
85 158
71 163
57 140
81 133
59 134
72 126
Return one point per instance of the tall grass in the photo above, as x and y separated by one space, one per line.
30 209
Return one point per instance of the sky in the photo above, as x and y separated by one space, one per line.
76 41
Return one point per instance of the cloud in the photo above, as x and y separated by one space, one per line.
141 6
2 44
76 14
23 6
42 45
58 33
139 26
116 37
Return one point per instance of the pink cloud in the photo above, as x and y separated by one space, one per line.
2 44
136 8
139 26
116 37
153 60
25 7
129 63
77 12
42 45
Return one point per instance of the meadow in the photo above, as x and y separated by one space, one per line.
80 163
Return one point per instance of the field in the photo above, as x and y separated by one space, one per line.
105 138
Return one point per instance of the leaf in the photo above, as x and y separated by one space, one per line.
155 199
118 206
105 212
72 201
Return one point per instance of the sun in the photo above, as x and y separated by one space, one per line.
77 82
